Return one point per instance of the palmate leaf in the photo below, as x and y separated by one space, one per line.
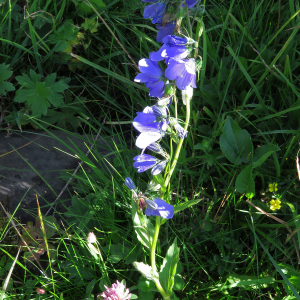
66 32
90 24
40 95
4 75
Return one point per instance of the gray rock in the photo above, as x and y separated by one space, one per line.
19 183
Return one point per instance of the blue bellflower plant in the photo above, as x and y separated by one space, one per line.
159 208
183 72
173 47
155 11
152 75
165 30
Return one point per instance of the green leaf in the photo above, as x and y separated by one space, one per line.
178 283
245 183
40 95
90 24
262 153
142 226
66 32
183 206
145 270
4 75
117 253
235 143
168 268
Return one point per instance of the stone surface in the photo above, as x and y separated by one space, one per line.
19 183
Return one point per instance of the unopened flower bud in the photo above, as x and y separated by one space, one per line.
169 89
40 291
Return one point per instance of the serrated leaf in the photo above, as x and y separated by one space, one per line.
245 183
145 270
40 95
66 32
90 24
4 75
262 153
168 268
235 143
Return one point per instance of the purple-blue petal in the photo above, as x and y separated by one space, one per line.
129 183
164 210
176 52
150 67
145 122
191 3
167 29
174 40
156 56
155 12
144 158
158 168
175 68
157 89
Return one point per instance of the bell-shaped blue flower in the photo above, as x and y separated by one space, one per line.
144 162
159 208
152 124
130 184
158 168
155 12
152 75
182 133
183 72
173 47
167 29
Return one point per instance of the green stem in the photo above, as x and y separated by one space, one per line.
176 156
154 242
153 265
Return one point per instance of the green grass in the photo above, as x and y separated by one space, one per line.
250 72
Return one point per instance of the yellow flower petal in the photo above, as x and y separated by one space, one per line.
272 202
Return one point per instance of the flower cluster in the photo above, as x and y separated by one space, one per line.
163 16
118 291
181 69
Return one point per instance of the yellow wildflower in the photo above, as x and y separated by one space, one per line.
273 187
275 204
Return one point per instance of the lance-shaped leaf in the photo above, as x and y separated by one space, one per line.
235 143
168 268
145 270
